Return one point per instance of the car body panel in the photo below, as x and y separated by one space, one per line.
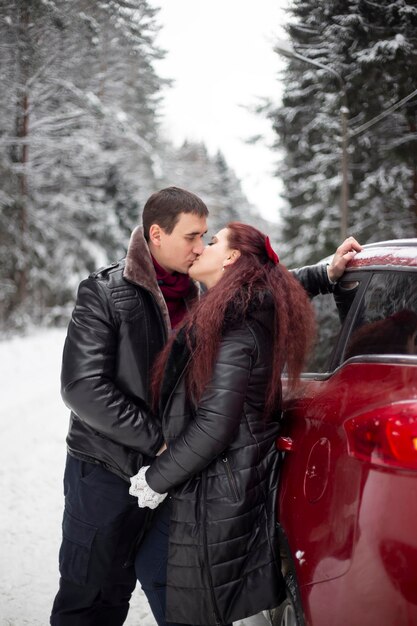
351 526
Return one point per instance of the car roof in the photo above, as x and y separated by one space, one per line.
393 243
398 252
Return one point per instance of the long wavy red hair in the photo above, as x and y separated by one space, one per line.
243 283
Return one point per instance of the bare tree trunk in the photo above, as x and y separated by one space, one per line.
22 133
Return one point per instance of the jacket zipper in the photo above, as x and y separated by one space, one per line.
179 378
231 478
161 318
206 556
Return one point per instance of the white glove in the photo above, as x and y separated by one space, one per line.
145 495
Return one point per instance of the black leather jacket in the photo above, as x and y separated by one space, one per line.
314 279
119 323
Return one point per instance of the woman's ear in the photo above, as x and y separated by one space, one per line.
232 258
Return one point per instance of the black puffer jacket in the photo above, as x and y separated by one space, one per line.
221 469
119 324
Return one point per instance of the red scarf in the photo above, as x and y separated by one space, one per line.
175 288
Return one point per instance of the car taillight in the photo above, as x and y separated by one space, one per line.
386 436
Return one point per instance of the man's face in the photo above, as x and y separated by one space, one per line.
177 251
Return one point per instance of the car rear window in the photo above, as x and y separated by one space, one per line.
386 319
369 314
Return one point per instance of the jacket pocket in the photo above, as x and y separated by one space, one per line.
75 552
231 479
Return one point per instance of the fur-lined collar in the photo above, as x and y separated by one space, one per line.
139 269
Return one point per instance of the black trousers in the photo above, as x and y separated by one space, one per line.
101 526
151 563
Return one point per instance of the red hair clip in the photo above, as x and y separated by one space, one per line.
272 256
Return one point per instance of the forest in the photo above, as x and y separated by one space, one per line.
81 146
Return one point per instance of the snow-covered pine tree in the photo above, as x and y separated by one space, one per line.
383 71
80 149
129 92
373 48
78 124
192 167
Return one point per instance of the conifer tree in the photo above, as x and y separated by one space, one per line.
192 167
78 142
81 149
373 48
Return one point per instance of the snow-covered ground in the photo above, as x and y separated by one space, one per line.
33 426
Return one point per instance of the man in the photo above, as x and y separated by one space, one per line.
121 320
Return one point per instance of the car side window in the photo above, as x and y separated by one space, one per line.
386 320
331 311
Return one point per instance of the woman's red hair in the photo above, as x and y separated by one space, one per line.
243 283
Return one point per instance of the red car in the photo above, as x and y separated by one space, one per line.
348 492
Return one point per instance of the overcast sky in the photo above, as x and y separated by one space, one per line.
219 53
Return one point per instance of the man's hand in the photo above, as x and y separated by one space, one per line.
344 253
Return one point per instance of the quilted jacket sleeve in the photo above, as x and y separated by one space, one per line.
217 417
87 379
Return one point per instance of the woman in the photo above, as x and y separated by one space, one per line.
218 385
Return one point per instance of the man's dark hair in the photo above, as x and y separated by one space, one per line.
165 206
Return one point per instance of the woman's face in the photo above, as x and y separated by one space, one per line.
208 267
